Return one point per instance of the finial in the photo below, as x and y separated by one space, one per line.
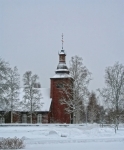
62 40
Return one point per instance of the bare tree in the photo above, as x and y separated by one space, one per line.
32 95
113 93
12 94
75 91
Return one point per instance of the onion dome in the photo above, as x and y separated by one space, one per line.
62 68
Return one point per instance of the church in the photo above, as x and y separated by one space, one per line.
57 111
51 110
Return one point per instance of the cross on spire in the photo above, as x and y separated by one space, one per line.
62 40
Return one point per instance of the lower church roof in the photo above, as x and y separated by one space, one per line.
44 105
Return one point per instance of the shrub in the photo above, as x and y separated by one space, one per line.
11 143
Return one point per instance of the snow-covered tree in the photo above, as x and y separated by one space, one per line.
92 108
113 93
32 95
75 91
4 67
12 94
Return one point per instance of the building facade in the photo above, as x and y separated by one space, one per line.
52 111
57 112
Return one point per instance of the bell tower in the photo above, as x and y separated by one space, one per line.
58 113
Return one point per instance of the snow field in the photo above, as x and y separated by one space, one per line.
73 135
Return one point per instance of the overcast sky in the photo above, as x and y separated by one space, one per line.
30 35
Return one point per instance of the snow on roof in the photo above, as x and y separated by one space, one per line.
61 69
62 52
45 100
62 75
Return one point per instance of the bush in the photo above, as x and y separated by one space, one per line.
11 143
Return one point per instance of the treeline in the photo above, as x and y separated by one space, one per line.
81 104
10 91
85 106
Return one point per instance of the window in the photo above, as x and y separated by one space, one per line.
2 120
39 118
59 85
24 118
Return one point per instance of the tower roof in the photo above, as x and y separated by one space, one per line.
62 69
62 52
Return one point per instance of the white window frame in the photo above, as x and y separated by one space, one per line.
39 118
2 120
24 118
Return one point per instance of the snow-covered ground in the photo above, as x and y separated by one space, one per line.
67 137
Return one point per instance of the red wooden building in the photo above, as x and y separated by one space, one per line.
57 112
51 111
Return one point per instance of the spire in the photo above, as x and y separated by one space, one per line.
62 68
62 40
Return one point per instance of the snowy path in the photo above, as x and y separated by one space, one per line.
79 146
41 141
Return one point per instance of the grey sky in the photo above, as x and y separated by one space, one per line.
30 35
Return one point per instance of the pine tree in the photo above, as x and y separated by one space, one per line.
92 108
